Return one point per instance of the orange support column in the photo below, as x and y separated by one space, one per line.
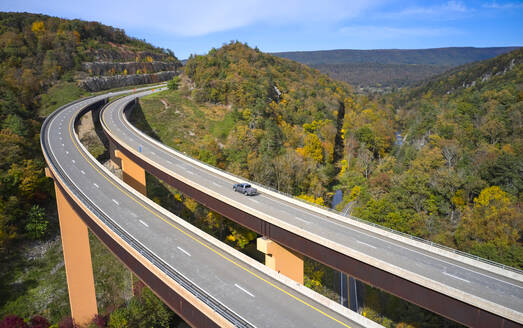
77 258
133 174
281 259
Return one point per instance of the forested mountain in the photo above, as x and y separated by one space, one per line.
373 70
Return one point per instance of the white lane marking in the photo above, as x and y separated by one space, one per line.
456 277
217 185
134 215
244 290
369 245
97 186
114 200
83 172
153 153
302 220
418 252
145 224
183 250
67 152
60 138
63 145
59 132
254 200
73 161
189 171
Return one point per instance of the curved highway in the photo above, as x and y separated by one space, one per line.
496 292
241 291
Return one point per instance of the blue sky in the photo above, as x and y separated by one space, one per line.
195 26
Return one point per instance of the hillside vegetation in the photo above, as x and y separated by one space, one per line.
284 118
457 178
375 70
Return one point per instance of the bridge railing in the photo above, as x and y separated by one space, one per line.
396 232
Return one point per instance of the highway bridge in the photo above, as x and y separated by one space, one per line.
461 287
206 282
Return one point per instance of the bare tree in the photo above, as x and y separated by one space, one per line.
450 152
365 160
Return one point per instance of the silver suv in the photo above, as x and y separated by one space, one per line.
245 189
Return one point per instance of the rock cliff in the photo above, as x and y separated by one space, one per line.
124 68
98 83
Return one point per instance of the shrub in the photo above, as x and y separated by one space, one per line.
13 321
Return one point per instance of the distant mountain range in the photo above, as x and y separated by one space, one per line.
375 70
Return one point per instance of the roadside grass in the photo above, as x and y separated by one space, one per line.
179 122
58 95
221 129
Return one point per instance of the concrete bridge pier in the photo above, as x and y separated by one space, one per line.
281 259
133 174
77 258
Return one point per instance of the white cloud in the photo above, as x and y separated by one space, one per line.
204 17
508 5
387 32
201 17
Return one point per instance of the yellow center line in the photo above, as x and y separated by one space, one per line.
188 234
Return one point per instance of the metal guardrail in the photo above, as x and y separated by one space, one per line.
144 251
399 233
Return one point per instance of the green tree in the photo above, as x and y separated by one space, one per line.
174 83
119 319
16 124
37 225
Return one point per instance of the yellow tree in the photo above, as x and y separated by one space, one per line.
493 219
312 148
38 27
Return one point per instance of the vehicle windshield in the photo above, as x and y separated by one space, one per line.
247 185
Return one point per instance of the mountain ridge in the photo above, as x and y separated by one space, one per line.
386 69
467 54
